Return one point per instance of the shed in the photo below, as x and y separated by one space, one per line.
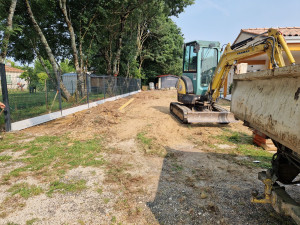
95 82
70 82
167 81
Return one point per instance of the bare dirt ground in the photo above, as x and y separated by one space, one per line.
157 171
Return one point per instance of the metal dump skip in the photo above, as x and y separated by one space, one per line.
270 102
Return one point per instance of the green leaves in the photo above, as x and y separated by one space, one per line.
151 41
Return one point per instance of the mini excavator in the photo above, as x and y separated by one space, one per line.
204 74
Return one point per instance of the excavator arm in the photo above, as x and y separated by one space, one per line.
273 45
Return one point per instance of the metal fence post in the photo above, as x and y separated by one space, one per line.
5 98
59 91
87 89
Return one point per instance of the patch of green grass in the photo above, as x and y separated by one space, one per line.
145 140
149 145
99 190
106 200
244 146
32 221
81 222
4 158
25 190
113 219
177 167
235 137
48 155
12 141
61 187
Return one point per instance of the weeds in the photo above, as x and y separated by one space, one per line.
142 138
149 145
62 187
31 222
4 158
243 146
51 155
106 200
25 190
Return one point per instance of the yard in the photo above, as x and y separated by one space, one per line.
25 105
137 166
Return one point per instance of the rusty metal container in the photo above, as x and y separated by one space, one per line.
269 101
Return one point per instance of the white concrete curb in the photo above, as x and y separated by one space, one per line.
23 124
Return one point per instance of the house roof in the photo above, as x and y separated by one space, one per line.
12 69
286 31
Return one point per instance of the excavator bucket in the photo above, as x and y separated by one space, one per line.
186 115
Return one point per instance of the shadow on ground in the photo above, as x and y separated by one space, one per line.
204 188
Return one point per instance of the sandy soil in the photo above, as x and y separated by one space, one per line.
178 179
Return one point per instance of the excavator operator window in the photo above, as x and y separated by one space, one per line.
190 59
209 62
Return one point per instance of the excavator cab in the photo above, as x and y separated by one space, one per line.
199 63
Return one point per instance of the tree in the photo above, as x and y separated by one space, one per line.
132 38
51 57
8 31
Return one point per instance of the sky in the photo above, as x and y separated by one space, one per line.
222 20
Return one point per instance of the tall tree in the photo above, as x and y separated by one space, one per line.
80 79
51 57
8 31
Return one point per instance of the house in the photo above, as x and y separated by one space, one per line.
13 78
167 81
261 61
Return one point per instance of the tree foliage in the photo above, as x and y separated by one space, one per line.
133 38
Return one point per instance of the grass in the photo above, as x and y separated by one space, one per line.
149 145
61 187
32 221
52 156
106 200
143 139
25 190
243 146
13 142
176 167
99 190
4 158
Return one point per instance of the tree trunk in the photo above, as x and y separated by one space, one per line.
116 61
8 31
80 79
48 50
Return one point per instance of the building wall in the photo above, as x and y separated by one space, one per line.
13 79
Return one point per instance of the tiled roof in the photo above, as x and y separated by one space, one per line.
13 70
286 31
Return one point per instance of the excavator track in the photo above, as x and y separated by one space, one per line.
186 115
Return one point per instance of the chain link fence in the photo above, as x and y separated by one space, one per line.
43 97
